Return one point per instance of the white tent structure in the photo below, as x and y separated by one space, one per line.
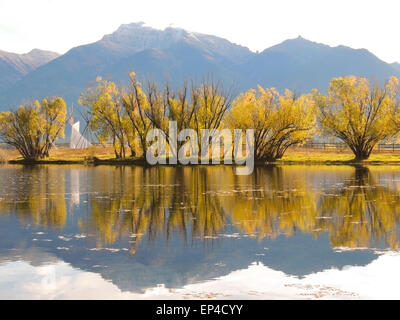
78 141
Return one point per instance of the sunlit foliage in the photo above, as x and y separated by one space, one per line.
107 120
33 128
136 107
279 121
358 113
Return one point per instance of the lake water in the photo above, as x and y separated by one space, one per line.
302 232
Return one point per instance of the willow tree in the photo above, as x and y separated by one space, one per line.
279 121
358 113
210 103
171 111
33 128
106 116
136 106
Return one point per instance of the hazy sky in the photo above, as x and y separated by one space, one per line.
59 25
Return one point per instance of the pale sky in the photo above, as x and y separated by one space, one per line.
59 25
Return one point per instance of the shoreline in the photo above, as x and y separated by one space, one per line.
294 156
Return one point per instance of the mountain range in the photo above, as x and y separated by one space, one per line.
175 55
14 67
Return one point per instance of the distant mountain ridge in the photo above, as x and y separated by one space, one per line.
302 65
14 67
135 37
396 65
175 55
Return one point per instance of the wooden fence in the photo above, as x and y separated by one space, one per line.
342 146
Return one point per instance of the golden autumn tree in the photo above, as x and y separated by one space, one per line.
171 105
279 121
358 113
210 104
107 119
33 128
136 107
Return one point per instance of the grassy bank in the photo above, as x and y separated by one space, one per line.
301 155
75 156
105 155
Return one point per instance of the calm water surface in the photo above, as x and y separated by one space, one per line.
199 232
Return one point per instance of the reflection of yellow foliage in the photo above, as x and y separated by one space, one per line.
40 199
149 202
361 212
198 202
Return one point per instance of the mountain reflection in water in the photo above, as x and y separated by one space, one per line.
141 227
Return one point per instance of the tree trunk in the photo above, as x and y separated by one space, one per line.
361 155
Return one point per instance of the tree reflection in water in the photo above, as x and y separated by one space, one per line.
352 204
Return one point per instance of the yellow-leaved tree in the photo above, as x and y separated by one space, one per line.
358 113
279 121
210 104
171 105
33 128
107 119
136 107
